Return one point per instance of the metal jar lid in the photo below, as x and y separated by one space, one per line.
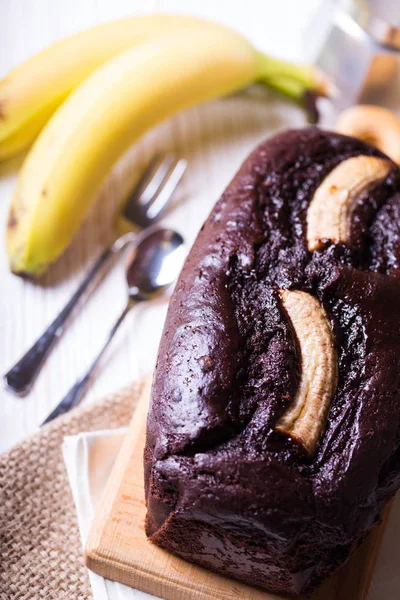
380 19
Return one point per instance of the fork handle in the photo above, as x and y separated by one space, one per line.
21 376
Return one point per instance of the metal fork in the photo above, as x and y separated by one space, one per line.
146 204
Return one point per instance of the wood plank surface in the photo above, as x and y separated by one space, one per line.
118 549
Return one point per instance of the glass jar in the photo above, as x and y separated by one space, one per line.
361 52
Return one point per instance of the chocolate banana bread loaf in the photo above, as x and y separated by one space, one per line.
273 435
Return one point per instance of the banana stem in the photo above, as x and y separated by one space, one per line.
289 87
291 79
296 91
302 83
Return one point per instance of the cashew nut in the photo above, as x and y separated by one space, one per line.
375 125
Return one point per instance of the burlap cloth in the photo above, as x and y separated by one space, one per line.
40 549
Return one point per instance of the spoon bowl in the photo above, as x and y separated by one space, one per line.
153 264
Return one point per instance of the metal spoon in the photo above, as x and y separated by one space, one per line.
151 268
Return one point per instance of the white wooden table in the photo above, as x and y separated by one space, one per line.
215 138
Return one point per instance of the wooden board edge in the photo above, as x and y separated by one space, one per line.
104 509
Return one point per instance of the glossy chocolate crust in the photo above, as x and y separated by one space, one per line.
223 488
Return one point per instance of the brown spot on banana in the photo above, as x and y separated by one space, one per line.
305 419
375 125
12 219
330 213
2 112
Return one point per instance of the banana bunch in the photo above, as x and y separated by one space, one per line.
89 97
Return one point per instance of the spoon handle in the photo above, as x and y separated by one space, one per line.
76 393
21 376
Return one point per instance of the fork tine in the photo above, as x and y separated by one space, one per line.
155 189
148 183
167 188
153 178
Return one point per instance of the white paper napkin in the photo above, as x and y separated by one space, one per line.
89 458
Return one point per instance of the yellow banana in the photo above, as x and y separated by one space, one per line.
31 93
105 114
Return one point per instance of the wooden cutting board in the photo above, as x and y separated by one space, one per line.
118 549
